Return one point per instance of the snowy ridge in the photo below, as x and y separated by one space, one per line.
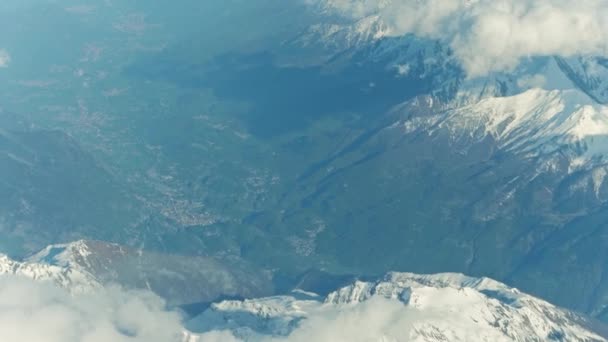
371 36
62 254
179 279
77 255
344 36
531 123
73 279
396 285
455 298
443 307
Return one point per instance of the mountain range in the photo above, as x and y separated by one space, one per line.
307 154
398 305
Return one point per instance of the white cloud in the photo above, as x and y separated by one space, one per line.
5 58
217 336
403 69
378 319
493 35
40 312
532 81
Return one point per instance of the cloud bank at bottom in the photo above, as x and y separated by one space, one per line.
42 312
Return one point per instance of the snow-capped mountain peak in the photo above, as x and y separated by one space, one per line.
74 279
398 285
341 36
62 254
534 122
442 307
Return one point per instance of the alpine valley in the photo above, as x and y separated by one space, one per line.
265 183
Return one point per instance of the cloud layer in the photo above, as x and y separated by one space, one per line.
493 35
40 312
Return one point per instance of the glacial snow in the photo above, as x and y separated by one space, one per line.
535 121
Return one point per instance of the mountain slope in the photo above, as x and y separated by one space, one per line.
502 175
180 280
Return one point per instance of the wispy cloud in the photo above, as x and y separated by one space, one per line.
492 35
5 58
